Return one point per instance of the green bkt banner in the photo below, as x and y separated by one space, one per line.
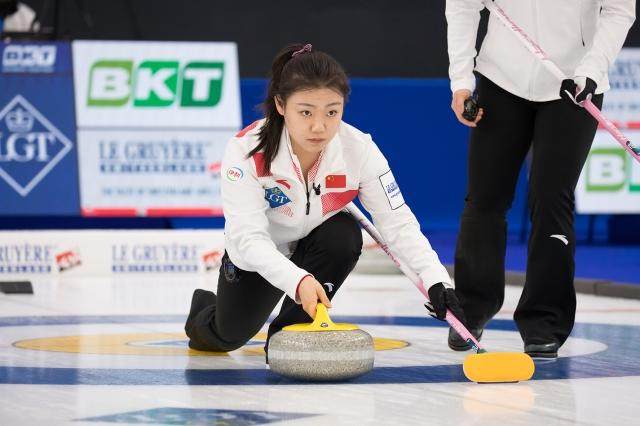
612 170
610 179
156 85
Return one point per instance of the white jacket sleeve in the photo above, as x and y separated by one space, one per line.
463 17
616 17
381 196
247 239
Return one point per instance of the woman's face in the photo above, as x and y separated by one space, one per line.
312 117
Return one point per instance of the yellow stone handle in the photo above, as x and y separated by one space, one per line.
322 322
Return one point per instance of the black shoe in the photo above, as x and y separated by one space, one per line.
542 350
200 300
457 343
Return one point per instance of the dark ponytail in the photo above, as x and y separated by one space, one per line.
307 69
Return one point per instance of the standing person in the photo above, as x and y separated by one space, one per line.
286 179
523 107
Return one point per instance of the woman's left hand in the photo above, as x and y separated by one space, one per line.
441 299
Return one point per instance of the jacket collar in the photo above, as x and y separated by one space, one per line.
283 163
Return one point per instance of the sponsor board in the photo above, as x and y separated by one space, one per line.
153 121
31 145
27 254
156 84
38 158
174 171
621 104
610 179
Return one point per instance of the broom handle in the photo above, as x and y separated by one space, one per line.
537 51
450 318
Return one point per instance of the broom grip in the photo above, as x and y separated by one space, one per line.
450 318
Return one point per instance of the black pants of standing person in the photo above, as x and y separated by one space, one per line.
226 321
560 137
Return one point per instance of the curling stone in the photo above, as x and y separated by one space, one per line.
322 350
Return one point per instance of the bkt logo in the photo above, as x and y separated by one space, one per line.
30 58
612 170
115 83
30 146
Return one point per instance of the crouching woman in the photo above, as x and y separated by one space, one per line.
286 179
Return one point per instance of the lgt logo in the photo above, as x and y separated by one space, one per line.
30 146
114 83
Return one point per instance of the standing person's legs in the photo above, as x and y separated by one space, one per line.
497 149
330 253
562 139
226 321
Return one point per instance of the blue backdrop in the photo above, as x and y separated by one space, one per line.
38 156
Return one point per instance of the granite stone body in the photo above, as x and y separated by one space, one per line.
321 355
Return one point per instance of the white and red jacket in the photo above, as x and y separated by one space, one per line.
582 37
266 213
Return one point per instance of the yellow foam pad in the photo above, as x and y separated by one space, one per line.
498 367
322 322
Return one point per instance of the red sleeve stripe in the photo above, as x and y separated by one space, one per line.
258 159
246 130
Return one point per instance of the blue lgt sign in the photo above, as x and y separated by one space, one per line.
30 146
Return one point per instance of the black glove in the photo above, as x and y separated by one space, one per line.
577 89
441 298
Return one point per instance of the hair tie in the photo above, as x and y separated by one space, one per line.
306 48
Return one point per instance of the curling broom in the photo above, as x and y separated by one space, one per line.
481 367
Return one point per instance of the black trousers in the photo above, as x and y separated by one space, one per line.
226 321
560 137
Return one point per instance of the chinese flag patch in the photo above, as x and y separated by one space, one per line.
335 181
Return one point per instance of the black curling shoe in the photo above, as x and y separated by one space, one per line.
456 342
542 350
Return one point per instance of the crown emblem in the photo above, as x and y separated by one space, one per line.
19 120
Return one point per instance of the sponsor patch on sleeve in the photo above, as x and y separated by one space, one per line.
234 174
391 190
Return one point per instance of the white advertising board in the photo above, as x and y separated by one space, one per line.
25 254
151 173
610 179
156 84
153 120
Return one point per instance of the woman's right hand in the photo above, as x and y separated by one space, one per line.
309 292
457 105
